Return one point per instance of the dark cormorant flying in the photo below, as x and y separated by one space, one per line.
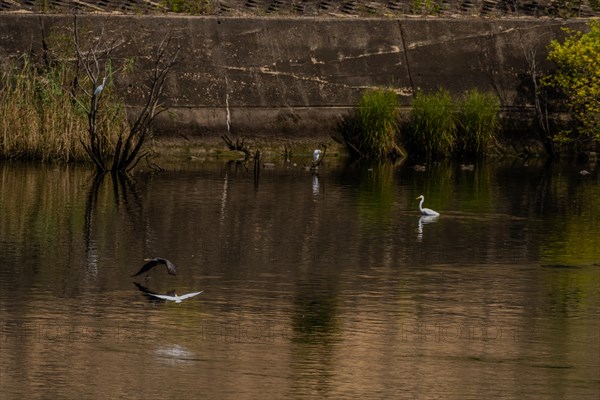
153 262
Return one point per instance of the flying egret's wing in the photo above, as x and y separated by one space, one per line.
188 295
164 296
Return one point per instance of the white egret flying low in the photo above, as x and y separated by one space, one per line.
169 296
426 211
175 298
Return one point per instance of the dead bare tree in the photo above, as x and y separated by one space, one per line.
237 146
539 99
96 62
127 151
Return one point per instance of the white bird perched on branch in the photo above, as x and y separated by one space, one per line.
100 87
316 155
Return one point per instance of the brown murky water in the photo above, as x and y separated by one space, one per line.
315 286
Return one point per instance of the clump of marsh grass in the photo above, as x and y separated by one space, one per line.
370 131
478 121
433 126
36 122
41 118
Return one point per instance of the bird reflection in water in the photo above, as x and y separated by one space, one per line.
424 220
174 354
315 185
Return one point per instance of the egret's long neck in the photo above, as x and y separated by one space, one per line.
421 204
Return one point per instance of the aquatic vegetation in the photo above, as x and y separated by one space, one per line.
432 129
478 121
441 126
370 131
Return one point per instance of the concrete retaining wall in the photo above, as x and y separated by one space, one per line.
293 77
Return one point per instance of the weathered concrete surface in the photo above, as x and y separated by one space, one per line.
295 77
318 8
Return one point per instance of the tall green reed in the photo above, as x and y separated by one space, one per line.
370 131
433 126
478 121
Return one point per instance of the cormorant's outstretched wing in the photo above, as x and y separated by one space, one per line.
147 267
153 262
170 266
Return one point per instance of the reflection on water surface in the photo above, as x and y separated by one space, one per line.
328 285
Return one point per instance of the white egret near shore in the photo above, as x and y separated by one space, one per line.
426 211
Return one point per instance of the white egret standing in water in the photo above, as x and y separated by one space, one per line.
426 211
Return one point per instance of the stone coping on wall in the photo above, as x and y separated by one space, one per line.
315 8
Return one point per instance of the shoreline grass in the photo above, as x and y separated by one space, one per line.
40 118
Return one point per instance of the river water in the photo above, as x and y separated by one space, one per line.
325 285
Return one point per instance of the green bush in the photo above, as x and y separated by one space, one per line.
578 77
189 6
370 132
433 128
478 121
426 7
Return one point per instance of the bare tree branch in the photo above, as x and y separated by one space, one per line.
96 64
